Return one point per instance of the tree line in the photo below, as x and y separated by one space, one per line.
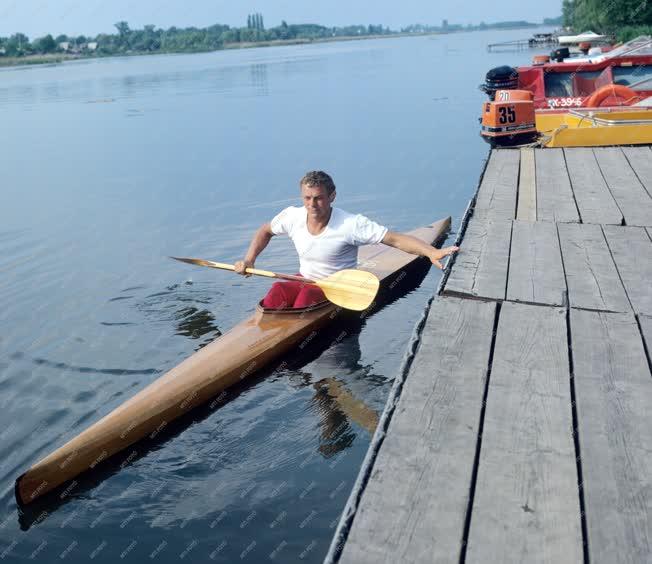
175 40
625 19
151 39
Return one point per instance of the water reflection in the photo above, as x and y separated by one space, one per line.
338 408
80 86
195 323
178 303
335 403
258 73
82 369
333 392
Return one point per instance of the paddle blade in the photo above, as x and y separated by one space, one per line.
350 289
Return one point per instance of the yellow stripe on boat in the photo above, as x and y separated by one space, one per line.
595 128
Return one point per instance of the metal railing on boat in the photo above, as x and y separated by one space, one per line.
598 121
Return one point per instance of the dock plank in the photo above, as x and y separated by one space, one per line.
595 202
480 268
526 506
613 390
591 276
555 200
496 198
536 273
645 322
414 506
640 159
631 249
630 195
527 189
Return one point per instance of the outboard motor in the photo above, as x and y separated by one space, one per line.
500 78
558 55
509 119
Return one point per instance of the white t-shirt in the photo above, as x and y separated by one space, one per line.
335 248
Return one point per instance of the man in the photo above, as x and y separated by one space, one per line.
327 240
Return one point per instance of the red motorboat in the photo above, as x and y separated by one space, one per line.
621 76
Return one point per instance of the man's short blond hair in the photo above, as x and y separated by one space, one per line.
318 178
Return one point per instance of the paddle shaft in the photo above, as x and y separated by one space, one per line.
259 272
350 289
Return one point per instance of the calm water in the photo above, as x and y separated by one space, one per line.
108 167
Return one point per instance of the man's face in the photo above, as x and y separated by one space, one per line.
317 201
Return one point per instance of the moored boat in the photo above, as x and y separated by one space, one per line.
571 83
511 120
595 128
245 349
585 37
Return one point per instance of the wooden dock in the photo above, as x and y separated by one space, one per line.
523 44
523 428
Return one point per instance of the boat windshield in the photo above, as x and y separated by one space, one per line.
561 84
640 46
636 77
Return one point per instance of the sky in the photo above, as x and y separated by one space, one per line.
90 17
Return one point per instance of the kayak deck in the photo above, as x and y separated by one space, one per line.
246 348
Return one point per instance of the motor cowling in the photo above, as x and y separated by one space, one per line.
509 119
558 55
500 78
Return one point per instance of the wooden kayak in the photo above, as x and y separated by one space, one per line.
232 357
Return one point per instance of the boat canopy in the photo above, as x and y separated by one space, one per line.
638 47
580 38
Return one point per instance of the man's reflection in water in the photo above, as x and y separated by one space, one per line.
338 407
347 392
339 381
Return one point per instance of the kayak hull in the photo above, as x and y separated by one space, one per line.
249 346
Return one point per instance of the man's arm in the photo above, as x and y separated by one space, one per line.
261 239
416 246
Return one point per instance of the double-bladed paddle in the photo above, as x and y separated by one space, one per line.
350 289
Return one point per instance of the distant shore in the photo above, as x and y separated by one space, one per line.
63 57
276 42
38 59
55 58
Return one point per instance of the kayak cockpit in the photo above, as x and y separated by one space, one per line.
260 309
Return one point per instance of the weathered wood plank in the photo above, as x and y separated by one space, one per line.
640 159
496 198
527 188
536 273
631 249
480 268
591 276
646 330
526 506
613 393
414 506
624 185
554 195
595 202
